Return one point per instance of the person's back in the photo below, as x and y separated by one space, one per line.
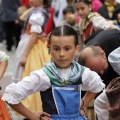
107 40
10 18
10 9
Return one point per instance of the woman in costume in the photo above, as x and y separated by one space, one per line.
32 51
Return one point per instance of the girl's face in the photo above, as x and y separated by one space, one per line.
34 3
63 50
83 9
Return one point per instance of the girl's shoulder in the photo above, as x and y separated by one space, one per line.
36 17
42 11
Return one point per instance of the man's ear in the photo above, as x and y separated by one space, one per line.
102 51
103 54
77 49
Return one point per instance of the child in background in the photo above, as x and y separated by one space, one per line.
70 18
60 82
66 12
3 65
90 21
32 51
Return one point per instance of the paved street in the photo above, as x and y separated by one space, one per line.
7 77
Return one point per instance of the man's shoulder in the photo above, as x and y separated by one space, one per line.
105 37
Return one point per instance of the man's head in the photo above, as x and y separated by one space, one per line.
94 58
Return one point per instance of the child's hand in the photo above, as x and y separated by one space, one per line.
41 116
23 61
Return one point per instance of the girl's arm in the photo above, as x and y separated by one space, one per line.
88 98
31 42
20 108
101 23
25 14
3 66
113 27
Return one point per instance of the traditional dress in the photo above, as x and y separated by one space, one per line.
92 23
60 89
37 56
4 115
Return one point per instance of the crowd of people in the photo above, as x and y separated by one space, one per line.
67 55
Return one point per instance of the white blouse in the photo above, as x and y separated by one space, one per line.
36 21
39 81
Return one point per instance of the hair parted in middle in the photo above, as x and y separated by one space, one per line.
63 30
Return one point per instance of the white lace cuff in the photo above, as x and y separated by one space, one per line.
11 95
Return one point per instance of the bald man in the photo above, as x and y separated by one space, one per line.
101 102
95 54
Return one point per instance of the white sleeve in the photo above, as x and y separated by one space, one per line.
91 81
37 81
3 56
100 106
101 23
114 59
36 21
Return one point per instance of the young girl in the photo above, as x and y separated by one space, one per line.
59 81
3 65
90 21
32 51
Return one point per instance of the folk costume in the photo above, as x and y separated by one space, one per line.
92 23
38 55
60 89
